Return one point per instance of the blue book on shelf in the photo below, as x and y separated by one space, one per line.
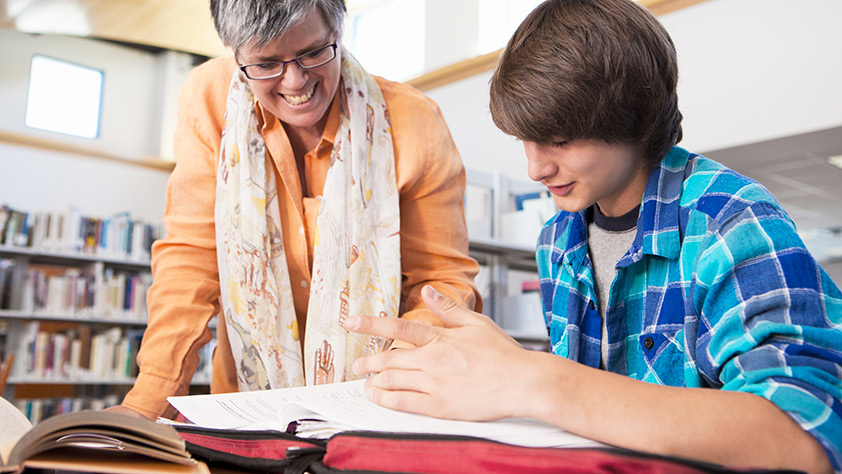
520 198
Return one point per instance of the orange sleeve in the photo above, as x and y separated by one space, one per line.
431 182
185 292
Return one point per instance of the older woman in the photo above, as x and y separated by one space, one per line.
305 190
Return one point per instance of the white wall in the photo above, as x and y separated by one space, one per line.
754 70
176 68
130 122
750 70
482 145
139 96
34 180
452 32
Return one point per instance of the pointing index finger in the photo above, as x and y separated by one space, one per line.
392 328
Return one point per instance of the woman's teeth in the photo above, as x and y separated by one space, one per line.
299 99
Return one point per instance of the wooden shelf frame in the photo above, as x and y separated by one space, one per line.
46 144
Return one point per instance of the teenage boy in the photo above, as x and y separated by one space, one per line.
685 316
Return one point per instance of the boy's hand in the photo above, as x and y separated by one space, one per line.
467 371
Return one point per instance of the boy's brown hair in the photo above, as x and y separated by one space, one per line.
589 69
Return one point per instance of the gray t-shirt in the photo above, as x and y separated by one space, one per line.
609 238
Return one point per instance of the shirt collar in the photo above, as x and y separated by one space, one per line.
626 222
658 229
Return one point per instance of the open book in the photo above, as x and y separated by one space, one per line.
322 410
91 441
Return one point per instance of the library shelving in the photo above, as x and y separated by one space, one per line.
504 217
72 323
72 308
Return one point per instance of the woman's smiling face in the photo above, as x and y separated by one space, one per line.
300 98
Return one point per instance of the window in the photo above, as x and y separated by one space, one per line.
64 97
388 45
498 19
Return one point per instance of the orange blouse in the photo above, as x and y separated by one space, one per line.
185 294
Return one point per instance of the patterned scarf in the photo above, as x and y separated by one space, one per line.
356 262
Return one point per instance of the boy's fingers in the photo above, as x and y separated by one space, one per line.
412 402
392 328
385 360
400 379
446 309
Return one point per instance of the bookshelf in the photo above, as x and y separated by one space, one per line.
73 308
74 345
502 236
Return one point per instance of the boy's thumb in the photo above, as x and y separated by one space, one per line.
445 308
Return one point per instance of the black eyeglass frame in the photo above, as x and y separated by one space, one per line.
296 60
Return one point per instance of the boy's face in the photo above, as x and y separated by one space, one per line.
580 173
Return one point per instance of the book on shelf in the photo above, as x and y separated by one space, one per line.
46 353
37 409
7 266
321 411
16 228
91 441
91 290
5 212
69 231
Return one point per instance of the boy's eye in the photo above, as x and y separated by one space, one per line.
558 143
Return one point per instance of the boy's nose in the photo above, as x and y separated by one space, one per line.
539 165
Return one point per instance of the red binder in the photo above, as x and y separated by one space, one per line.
362 452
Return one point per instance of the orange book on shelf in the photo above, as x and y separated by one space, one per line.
5 368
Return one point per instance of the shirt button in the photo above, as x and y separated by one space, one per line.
648 343
301 230
591 305
304 283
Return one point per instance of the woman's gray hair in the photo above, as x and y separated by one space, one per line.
240 22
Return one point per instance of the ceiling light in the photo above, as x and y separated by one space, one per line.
65 17
835 160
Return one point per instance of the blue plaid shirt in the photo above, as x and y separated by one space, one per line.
716 291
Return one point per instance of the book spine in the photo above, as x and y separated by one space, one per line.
12 225
39 351
4 219
75 358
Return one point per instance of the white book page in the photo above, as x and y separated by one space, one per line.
344 406
14 425
244 410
